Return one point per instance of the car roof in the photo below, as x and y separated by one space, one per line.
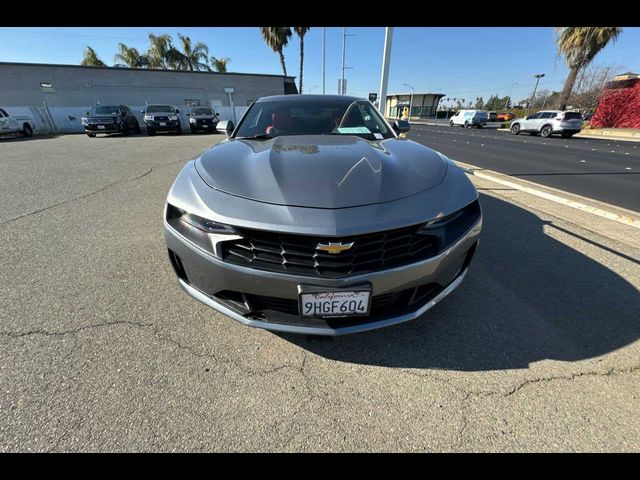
318 98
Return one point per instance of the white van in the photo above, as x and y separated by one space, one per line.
469 118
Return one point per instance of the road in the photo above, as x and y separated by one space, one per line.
608 171
101 351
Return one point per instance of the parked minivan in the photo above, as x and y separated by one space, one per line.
469 118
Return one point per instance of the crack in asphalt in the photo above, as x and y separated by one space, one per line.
160 336
82 197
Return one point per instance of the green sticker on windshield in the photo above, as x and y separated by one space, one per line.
354 130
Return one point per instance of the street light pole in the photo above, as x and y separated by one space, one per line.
411 100
343 90
538 77
509 96
384 78
324 57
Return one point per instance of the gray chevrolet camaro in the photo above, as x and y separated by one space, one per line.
314 217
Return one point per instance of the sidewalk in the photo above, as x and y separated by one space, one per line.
628 134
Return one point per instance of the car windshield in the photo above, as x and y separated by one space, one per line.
106 110
340 116
202 111
159 109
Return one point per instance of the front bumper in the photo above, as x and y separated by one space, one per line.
170 126
209 279
108 128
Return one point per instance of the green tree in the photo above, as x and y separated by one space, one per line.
479 103
579 45
191 55
301 32
220 64
130 57
277 38
90 59
162 54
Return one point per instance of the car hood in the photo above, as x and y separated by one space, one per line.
327 171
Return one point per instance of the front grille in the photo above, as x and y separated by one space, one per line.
297 254
157 118
100 121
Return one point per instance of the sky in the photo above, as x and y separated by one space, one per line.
459 62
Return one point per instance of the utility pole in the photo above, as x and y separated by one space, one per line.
324 57
343 90
384 78
538 77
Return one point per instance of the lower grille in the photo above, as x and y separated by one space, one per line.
388 303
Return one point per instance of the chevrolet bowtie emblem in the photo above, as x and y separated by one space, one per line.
334 248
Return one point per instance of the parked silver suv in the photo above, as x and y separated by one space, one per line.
549 122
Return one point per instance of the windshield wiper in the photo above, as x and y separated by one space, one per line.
259 136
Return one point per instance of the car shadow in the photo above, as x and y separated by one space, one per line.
18 137
527 297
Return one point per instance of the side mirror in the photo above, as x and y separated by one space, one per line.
86 113
141 111
528 117
177 111
401 126
225 127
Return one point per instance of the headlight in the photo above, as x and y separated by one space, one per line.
148 117
201 231
448 229
192 120
85 121
173 117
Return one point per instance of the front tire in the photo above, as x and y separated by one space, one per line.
125 130
27 131
466 124
137 128
91 135
515 129
546 131
150 132
179 130
451 123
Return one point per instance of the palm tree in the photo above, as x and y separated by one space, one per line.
277 38
130 57
220 64
301 32
580 45
191 55
90 59
162 54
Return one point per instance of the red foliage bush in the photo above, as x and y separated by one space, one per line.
619 106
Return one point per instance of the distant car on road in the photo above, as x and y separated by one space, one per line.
469 118
203 119
110 119
13 124
549 122
161 118
505 117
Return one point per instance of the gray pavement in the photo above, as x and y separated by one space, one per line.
100 350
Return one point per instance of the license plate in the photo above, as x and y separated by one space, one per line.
321 303
100 127
205 126
163 124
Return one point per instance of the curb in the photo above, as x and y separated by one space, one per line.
601 212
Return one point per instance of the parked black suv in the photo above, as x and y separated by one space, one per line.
110 119
203 119
161 118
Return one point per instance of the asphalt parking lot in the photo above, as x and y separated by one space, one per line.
101 351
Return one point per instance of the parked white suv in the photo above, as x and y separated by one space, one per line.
11 124
549 122
469 118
